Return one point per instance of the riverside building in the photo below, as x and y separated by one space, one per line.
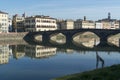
85 24
3 22
40 23
18 23
107 23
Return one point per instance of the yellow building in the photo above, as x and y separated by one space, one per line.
67 24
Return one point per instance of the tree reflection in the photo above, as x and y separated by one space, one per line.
99 59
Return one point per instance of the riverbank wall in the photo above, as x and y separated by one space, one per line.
13 38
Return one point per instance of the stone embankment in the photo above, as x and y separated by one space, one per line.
12 38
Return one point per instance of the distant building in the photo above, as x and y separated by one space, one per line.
108 23
40 23
85 24
88 24
78 24
98 25
67 24
59 24
18 23
3 22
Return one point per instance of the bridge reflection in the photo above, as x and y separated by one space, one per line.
90 44
47 50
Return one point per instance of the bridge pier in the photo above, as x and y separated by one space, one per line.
103 42
45 38
69 39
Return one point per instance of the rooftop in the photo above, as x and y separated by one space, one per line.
41 16
3 12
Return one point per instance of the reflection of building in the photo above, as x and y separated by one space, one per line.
40 23
39 51
18 51
4 54
3 22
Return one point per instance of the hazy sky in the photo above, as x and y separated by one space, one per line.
63 9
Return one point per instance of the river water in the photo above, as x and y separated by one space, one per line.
42 62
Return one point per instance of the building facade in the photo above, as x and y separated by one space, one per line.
78 24
85 24
67 24
3 22
40 23
108 23
18 23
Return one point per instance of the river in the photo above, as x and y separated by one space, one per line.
25 61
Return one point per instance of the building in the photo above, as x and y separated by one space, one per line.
78 24
98 25
40 23
3 22
18 23
88 24
107 23
59 24
67 24
85 24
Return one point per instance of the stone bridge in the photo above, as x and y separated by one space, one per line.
103 34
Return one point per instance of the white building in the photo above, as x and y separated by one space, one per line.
40 23
3 22
99 25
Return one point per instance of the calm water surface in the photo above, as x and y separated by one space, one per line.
37 62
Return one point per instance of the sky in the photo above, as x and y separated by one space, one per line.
63 9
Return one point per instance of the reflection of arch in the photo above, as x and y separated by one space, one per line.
59 38
99 59
114 40
86 39
87 34
38 37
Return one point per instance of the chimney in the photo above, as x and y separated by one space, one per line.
84 18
